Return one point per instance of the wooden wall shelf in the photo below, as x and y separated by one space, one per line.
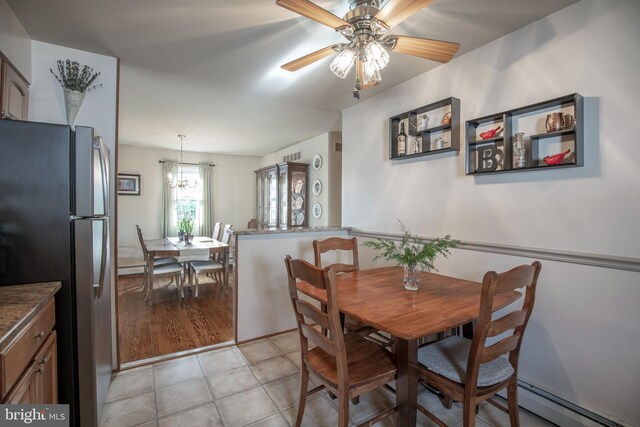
420 141
495 155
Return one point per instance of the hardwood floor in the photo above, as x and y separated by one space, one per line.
169 326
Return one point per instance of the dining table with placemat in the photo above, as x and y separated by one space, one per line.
199 248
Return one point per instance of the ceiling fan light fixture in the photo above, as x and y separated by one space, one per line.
378 28
369 74
346 31
343 63
376 55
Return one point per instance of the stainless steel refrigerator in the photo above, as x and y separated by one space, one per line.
54 226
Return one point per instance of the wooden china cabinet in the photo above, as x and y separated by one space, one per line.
282 195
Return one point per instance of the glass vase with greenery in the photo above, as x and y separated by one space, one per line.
186 225
412 253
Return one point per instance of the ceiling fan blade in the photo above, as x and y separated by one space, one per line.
313 11
396 11
303 61
434 50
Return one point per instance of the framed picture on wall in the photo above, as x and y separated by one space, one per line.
128 184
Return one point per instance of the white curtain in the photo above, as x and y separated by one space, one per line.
169 200
206 219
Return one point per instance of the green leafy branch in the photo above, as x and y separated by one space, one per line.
413 251
186 225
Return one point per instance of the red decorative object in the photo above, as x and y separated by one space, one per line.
491 133
556 159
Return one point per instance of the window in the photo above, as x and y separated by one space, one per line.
189 200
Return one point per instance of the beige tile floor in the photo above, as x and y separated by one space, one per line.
252 385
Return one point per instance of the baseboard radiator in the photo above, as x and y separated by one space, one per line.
583 412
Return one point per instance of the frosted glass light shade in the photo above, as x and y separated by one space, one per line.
343 63
369 74
376 55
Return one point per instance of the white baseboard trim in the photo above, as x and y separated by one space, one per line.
558 410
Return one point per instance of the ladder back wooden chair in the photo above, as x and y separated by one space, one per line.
348 245
215 267
468 370
162 267
346 365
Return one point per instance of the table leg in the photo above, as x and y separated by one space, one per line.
150 264
226 270
407 382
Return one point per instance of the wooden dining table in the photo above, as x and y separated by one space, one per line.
377 297
172 246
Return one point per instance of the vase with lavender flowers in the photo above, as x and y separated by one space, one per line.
76 82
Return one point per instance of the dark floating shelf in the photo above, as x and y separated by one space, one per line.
552 134
528 168
451 105
484 154
426 153
486 141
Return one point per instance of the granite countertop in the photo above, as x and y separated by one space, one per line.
280 230
19 304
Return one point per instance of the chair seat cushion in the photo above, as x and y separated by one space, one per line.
366 362
449 357
164 260
199 266
168 268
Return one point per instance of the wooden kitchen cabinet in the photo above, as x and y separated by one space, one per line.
28 364
14 93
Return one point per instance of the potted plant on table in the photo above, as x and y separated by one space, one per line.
186 225
413 252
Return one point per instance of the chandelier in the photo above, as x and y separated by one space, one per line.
181 182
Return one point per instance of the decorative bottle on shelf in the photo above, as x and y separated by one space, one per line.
519 152
402 141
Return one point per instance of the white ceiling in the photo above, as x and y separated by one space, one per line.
211 68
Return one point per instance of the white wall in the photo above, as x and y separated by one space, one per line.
583 343
14 41
234 193
329 175
264 304
46 104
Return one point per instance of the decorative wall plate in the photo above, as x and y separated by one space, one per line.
317 210
298 202
300 218
317 162
317 187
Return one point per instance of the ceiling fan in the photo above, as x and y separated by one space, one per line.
365 27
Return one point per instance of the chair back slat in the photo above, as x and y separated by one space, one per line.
317 338
313 276
503 346
216 231
142 245
311 312
226 234
507 322
301 273
337 244
516 278
524 276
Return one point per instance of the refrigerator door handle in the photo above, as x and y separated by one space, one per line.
104 170
98 288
